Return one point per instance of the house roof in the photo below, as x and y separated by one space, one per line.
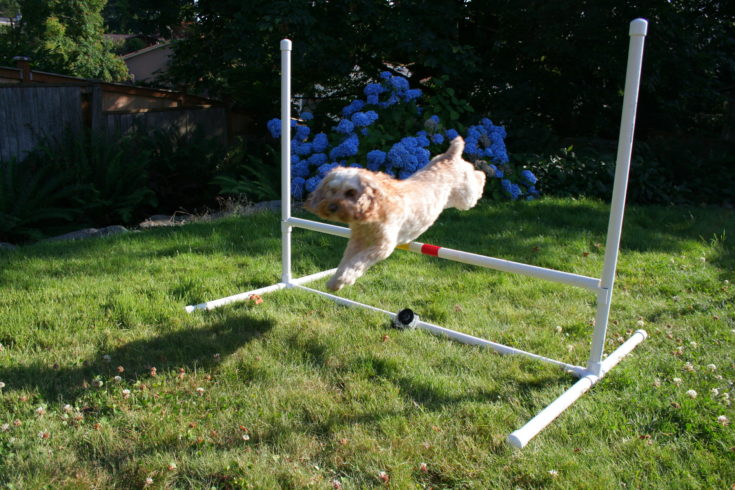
146 50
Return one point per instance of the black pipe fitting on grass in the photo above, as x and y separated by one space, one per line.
405 319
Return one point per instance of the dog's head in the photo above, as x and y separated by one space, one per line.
348 195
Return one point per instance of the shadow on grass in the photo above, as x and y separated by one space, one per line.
188 349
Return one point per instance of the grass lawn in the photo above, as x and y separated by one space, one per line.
108 383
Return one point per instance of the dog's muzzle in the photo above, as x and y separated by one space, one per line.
332 208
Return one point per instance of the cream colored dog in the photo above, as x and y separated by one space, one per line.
383 212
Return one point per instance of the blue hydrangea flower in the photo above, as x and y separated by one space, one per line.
373 99
302 132
345 126
363 119
353 107
323 170
317 159
528 177
312 183
274 126
320 142
511 189
404 174
294 158
375 159
422 139
385 75
424 157
307 116
392 100
347 148
432 122
301 169
437 138
300 148
471 149
451 134
297 187
399 83
412 94
496 171
374 89
398 155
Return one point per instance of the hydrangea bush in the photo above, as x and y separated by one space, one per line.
388 131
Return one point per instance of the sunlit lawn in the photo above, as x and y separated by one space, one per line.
109 383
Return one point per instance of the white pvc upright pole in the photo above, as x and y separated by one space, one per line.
638 29
285 160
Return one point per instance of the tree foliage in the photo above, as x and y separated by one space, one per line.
63 36
555 66
162 18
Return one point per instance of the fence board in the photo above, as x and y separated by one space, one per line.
212 121
29 114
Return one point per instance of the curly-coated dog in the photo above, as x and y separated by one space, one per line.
383 212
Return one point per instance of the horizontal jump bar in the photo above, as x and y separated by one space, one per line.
454 335
465 257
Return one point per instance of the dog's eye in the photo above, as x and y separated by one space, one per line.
350 193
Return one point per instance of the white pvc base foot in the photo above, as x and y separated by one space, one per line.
520 437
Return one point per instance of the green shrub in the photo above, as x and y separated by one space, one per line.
34 198
112 172
182 168
590 172
245 176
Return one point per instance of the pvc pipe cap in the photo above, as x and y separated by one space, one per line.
639 27
285 45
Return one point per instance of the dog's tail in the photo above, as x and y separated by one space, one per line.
455 148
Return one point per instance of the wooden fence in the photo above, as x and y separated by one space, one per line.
30 113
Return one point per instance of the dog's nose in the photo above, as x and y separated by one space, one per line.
333 207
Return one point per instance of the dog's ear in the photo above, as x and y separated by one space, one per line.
315 197
369 204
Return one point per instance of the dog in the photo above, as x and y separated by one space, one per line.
383 212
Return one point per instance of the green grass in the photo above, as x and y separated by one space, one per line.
327 393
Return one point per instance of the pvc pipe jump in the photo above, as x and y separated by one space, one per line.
597 366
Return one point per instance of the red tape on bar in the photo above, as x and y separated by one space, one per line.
427 249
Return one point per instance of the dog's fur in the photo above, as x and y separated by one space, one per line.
383 212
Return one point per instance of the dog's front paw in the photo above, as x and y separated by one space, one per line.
340 280
335 283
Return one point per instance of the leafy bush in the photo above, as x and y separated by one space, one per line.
112 172
566 174
182 167
244 175
33 198
88 178
387 131
589 171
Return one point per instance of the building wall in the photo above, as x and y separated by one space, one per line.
148 63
